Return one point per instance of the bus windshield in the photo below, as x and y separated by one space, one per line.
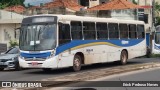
157 38
38 37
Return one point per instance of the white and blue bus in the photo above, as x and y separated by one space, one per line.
156 41
57 41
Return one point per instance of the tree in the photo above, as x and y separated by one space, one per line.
7 3
157 11
157 8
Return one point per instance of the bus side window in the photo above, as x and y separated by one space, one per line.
113 31
64 33
102 31
140 31
76 30
123 31
89 30
132 31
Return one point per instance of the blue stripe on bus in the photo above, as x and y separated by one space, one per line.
37 55
118 43
156 47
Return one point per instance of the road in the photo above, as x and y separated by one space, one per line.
101 83
38 74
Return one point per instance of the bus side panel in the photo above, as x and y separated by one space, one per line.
65 59
137 50
93 54
113 53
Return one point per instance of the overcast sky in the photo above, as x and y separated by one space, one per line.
36 2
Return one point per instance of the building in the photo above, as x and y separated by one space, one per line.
91 3
147 4
9 22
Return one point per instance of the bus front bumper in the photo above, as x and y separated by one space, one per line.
48 63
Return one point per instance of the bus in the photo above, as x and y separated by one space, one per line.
58 41
156 41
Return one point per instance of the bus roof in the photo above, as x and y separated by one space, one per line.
90 19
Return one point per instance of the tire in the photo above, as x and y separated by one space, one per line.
46 69
77 63
148 55
123 57
17 67
1 69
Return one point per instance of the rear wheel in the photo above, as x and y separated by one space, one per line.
1 69
77 62
123 57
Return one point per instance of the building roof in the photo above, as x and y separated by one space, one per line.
17 9
146 7
71 4
114 5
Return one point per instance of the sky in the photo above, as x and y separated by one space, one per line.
36 2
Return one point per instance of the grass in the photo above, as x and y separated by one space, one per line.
155 55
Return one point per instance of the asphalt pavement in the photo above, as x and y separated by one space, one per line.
143 76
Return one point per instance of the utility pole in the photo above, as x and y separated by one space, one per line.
153 13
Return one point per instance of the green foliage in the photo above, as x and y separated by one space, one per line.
157 8
6 3
134 1
157 12
157 21
3 5
13 43
155 55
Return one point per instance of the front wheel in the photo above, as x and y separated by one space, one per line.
123 57
17 67
77 62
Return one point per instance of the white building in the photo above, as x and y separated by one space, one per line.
9 22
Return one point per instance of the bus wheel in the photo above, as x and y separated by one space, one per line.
123 58
77 62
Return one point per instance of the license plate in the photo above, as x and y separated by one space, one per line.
35 64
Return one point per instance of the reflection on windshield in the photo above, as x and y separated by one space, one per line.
38 37
157 38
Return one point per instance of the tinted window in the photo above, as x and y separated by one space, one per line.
76 30
64 33
140 31
113 30
102 31
13 51
132 31
123 30
89 30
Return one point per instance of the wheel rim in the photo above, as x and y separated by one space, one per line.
124 58
77 63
